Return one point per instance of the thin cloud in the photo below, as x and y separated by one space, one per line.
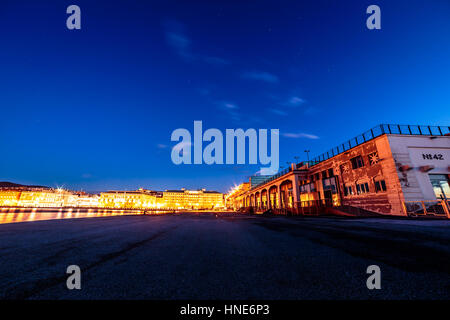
311 110
231 109
161 146
261 76
177 39
284 105
230 105
216 61
296 101
300 135
278 112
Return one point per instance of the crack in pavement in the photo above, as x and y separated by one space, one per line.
44 284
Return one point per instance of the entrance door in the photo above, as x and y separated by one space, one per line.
440 186
328 195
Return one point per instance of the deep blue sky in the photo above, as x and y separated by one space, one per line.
95 108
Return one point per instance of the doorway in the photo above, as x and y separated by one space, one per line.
328 196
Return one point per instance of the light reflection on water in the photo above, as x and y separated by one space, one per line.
9 215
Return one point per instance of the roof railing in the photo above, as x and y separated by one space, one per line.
378 131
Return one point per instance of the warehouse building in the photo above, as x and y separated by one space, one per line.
390 169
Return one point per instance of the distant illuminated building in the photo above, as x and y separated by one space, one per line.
9 197
130 199
87 200
235 197
45 198
193 199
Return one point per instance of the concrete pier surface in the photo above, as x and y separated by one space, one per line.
225 256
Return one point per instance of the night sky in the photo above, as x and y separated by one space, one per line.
94 109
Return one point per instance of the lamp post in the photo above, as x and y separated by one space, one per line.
307 154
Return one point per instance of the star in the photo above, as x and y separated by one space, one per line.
373 158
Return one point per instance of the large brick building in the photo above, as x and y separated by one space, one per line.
390 169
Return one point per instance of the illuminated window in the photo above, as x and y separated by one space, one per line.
348 190
362 188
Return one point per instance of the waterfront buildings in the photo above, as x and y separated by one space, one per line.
137 199
45 198
390 169
169 199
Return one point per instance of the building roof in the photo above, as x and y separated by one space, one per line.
379 130
133 192
186 191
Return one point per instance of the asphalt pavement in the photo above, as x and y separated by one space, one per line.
225 256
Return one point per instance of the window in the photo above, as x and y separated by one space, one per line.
440 185
329 184
324 174
330 172
348 190
357 162
307 188
362 188
317 177
380 186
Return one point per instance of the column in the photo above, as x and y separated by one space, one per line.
279 196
